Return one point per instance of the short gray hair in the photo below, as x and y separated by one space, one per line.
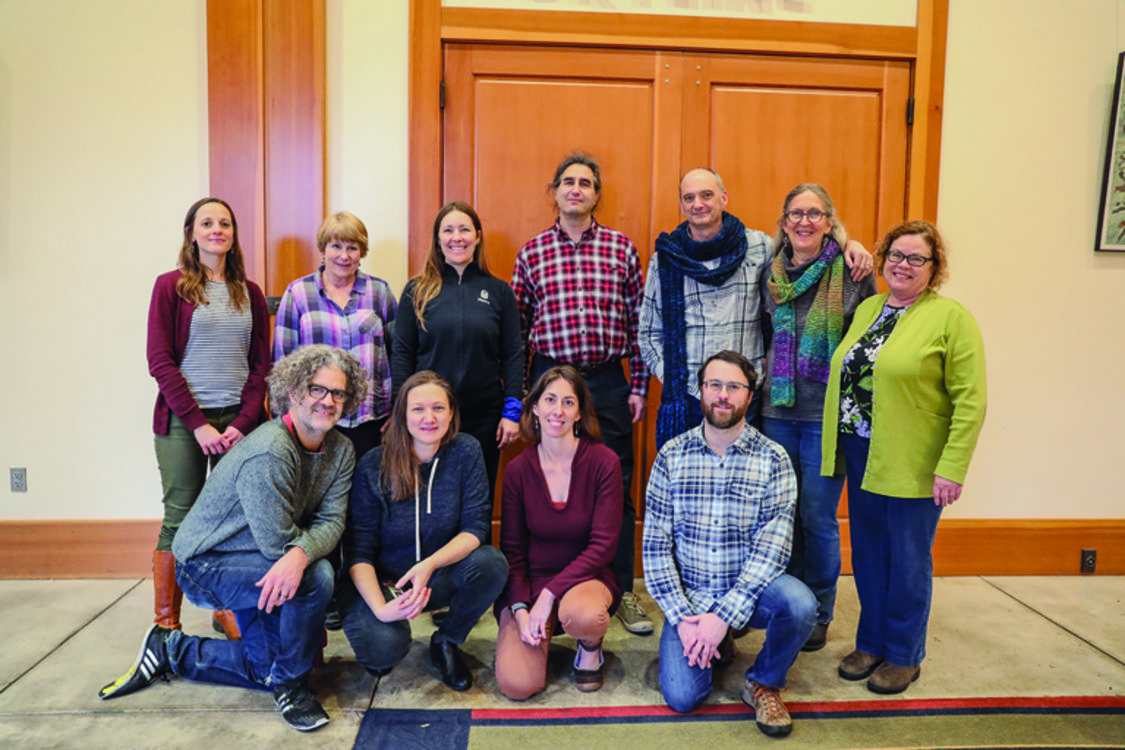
293 372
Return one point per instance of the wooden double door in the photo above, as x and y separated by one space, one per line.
765 123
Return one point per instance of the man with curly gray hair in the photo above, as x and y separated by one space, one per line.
255 541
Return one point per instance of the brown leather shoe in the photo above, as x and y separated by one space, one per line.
818 639
589 680
222 621
858 665
889 678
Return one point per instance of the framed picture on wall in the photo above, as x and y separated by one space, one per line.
1111 213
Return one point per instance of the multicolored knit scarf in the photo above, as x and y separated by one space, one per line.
824 323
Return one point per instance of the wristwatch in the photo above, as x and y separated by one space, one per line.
516 607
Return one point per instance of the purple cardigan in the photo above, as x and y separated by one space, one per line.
558 549
169 323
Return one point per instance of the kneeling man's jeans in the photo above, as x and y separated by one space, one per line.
786 610
276 648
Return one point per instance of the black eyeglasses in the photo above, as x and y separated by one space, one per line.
894 256
813 215
318 392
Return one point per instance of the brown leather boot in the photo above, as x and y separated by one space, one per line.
168 594
223 622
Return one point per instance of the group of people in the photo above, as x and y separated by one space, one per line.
368 499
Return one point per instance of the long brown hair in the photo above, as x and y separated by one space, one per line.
428 283
192 285
587 418
400 464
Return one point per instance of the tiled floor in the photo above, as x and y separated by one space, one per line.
1019 636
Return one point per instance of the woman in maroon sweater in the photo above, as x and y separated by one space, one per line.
560 516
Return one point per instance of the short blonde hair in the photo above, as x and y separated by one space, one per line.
343 226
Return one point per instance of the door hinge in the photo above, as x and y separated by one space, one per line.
909 112
441 96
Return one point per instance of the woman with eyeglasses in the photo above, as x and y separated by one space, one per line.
341 306
810 297
903 410
419 521
208 349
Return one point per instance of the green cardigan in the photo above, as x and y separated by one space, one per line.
929 396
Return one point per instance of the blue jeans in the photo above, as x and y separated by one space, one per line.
786 610
892 561
816 530
276 648
468 587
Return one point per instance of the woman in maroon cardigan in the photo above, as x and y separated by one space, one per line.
560 516
208 349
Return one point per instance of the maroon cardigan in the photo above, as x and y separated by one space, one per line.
558 549
169 323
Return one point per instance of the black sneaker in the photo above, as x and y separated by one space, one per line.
299 708
152 662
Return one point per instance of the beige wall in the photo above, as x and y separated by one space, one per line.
103 146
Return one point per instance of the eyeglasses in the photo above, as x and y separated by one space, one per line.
318 392
894 256
813 215
716 387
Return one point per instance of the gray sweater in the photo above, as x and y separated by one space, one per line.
270 494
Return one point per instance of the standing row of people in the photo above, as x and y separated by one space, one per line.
567 514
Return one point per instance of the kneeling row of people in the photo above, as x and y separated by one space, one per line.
417 525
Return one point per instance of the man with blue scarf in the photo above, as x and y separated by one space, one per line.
703 295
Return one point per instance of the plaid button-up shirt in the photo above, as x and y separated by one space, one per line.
718 529
307 315
579 303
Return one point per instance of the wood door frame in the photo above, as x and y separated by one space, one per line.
431 25
266 114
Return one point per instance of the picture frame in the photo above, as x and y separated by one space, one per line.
1111 211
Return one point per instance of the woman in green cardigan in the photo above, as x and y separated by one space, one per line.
903 409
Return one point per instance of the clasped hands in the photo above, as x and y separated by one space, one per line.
533 623
701 636
414 597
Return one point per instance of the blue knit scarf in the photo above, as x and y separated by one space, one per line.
681 256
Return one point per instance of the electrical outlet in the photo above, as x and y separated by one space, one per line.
1089 561
19 479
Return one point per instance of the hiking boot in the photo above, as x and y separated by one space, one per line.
769 712
726 653
632 615
889 678
858 665
299 708
151 662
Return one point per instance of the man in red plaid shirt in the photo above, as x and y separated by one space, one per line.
579 289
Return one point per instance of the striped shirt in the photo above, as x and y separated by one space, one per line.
718 529
728 316
579 303
307 315
216 358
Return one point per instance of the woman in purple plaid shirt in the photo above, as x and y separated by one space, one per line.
344 307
